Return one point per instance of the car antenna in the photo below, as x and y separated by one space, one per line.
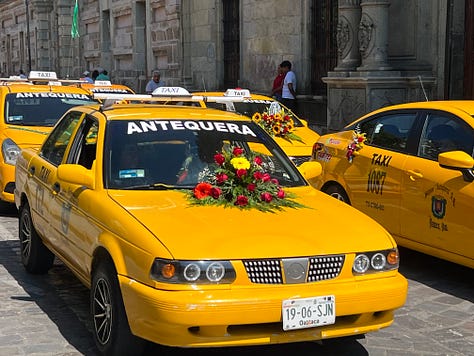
422 87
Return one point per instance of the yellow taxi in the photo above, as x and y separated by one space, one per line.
105 87
298 148
411 168
193 228
30 108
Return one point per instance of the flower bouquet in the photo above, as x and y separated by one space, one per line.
278 124
241 182
358 139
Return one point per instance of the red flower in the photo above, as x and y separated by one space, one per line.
241 200
215 192
258 160
266 197
221 178
281 194
274 181
241 172
202 190
237 151
219 159
258 175
266 177
251 187
360 139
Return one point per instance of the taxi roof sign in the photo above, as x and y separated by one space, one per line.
43 76
170 91
238 92
103 83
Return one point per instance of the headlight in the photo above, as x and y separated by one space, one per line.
375 261
10 151
192 272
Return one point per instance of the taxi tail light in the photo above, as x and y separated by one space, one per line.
375 261
192 272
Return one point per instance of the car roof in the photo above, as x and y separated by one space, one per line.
162 112
463 105
231 92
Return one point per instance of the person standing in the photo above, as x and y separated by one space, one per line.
103 75
154 83
278 84
86 77
289 86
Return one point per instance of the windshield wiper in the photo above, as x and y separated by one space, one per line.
158 186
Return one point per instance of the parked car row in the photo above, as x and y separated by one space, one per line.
156 206
193 228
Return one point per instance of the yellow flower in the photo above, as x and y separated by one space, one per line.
278 116
257 117
276 128
240 163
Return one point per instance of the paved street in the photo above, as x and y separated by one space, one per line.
48 315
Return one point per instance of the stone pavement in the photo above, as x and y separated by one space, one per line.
48 315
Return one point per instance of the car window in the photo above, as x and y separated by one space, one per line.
389 131
56 143
249 107
42 108
181 153
442 133
83 150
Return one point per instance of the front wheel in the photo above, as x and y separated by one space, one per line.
35 256
337 192
111 330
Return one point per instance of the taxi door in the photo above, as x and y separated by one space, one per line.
42 171
68 219
437 202
374 179
376 172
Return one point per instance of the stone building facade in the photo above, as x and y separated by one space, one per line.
387 51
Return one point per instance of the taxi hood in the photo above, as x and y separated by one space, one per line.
325 226
27 136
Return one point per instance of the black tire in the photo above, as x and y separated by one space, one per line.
35 256
337 192
110 324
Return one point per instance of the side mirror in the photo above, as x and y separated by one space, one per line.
458 160
76 174
310 170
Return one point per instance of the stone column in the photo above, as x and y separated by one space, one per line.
373 35
348 55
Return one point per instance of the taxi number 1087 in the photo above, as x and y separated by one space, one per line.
375 181
308 312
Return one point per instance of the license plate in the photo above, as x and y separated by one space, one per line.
308 312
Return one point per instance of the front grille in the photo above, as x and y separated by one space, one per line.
282 271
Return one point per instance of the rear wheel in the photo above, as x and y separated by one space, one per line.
111 330
337 192
35 256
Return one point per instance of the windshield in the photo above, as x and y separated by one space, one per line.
180 153
248 107
40 109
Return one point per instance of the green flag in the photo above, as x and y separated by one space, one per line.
75 25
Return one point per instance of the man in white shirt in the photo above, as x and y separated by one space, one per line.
289 86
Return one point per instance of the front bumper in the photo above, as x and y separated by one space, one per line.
251 315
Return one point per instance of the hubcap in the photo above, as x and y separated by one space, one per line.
338 196
102 311
25 236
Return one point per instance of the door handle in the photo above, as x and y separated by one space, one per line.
414 174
